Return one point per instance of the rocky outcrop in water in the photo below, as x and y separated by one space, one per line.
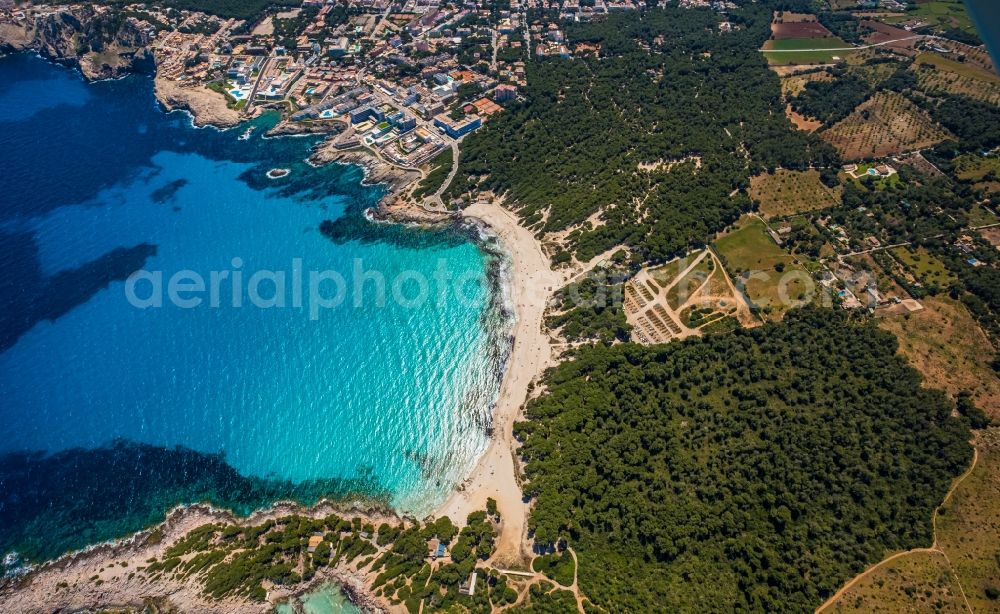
101 42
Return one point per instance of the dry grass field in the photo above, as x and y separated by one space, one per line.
992 235
973 167
945 344
792 85
801 122
923 267
917 582
885 124
968 527
789 192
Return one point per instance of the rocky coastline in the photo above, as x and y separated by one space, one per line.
107 575
290 128
84 37
207 108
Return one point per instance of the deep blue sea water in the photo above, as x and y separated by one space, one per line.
110 413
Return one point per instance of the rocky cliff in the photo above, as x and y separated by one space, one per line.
102 42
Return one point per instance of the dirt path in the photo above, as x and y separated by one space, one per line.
743 312
933 548
576 582
534 577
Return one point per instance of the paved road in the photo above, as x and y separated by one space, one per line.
256 84
906 38
493 62
436 197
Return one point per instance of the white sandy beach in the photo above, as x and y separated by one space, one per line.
494 476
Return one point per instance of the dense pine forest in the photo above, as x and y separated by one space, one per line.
654 131
756 471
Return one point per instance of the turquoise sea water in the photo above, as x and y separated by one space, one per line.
390 400
327 599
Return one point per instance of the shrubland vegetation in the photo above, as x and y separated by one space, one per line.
590 309
756 470
406 578
440 167
945 344
664 90
918 582
231 560
234 561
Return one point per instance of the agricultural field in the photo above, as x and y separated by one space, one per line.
968 527
798 25
792 17
890 37
788 192
946 345
936 73
974 56
919 163
917 582
943 14
924 267
772 279
806 50
885 124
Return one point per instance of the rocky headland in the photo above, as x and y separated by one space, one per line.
90 38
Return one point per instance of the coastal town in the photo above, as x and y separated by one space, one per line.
405 81
842 216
